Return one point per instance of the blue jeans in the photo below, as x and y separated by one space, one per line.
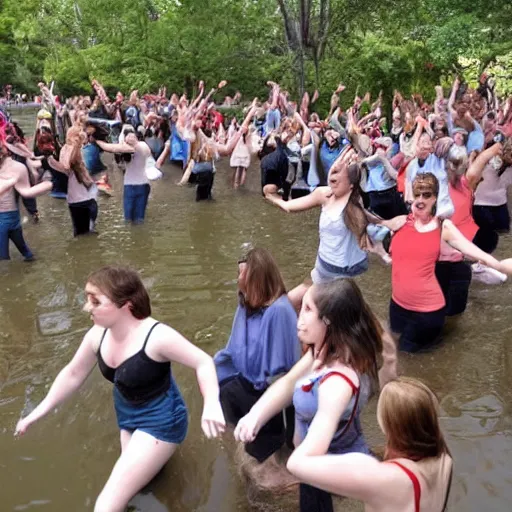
135 201
10 229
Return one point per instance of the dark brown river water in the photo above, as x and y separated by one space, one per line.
187 254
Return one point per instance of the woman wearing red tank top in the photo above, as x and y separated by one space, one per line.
417 309
417 463
452 272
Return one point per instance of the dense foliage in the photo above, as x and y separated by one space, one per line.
145 44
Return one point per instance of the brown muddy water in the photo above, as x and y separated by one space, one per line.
187 254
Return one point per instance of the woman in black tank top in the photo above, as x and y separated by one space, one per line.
134 352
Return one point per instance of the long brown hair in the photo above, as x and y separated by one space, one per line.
408 413
353 214
263 281
74 138
354 335
122 285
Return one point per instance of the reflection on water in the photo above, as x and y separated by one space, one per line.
187 254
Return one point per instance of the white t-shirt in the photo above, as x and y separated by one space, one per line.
136 169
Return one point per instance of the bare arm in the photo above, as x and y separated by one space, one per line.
453 94
276 398
388 371
23 184
69 380
457 240
316 198
170 345
476 169
115 148
57 165
354 475
227 149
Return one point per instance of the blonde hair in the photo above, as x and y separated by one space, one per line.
408 413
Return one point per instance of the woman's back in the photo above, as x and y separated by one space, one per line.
434 478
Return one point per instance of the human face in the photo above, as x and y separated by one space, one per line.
331 136
131 139
458 138
102 310
311 329
423 204
425 147
338 179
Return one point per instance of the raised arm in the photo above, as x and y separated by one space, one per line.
227 149
170 345
69 380
476 169
453 95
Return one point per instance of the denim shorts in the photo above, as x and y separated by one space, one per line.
325 272
164 417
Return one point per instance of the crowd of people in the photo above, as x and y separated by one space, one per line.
426 192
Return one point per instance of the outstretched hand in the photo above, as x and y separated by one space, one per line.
247 429
212 420
22 427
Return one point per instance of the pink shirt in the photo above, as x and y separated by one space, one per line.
462 218
413 280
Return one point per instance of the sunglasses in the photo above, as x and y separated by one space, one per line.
425 195
242 260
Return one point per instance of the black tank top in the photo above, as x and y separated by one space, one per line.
139 378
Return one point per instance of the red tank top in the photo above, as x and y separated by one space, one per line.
413 280
462 199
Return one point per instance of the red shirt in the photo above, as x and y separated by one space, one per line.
462 199
413 279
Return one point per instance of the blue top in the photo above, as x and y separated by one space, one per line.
262 345
329 155
378 178
348 436
179 148
92 159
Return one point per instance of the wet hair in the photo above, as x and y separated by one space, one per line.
408 413
354 335
263 281
122 285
